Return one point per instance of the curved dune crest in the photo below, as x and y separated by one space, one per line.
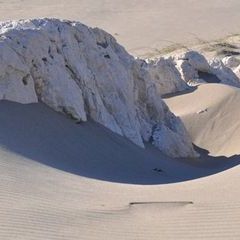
211 115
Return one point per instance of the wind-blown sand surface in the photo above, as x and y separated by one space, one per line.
211 115
142 26
49 187
65 181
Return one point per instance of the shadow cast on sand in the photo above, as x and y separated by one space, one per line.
38 133
189 90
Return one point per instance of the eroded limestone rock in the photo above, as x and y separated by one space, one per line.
85 73
165 75
195 68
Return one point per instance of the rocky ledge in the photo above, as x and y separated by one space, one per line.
84 73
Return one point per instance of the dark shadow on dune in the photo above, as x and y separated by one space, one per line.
38 133
208 77
213 162
189 90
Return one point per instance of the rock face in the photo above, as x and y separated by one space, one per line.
84 73
233 63
183 70
194 68
225 74
165 75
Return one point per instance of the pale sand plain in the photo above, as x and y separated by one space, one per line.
142 26
62 181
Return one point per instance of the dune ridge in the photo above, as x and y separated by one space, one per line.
211 116
41 200
65 179
49 168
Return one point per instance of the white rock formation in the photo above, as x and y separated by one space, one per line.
194 68
165 75
237 71
233 63
190 63
16 84
224 73
84 73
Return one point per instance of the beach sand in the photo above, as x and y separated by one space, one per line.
142 26
62 180
65 181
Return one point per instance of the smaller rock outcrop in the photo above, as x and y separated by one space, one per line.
233 63
194 68
165 75
224 73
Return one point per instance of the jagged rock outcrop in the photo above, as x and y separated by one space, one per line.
165 75
233 63
225 74
237 71
189 64
194 68
84 73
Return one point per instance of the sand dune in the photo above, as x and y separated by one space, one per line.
65 181
48 187
211 115
37 133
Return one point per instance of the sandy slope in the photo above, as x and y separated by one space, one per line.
211 115
140 25
41 198
62 181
